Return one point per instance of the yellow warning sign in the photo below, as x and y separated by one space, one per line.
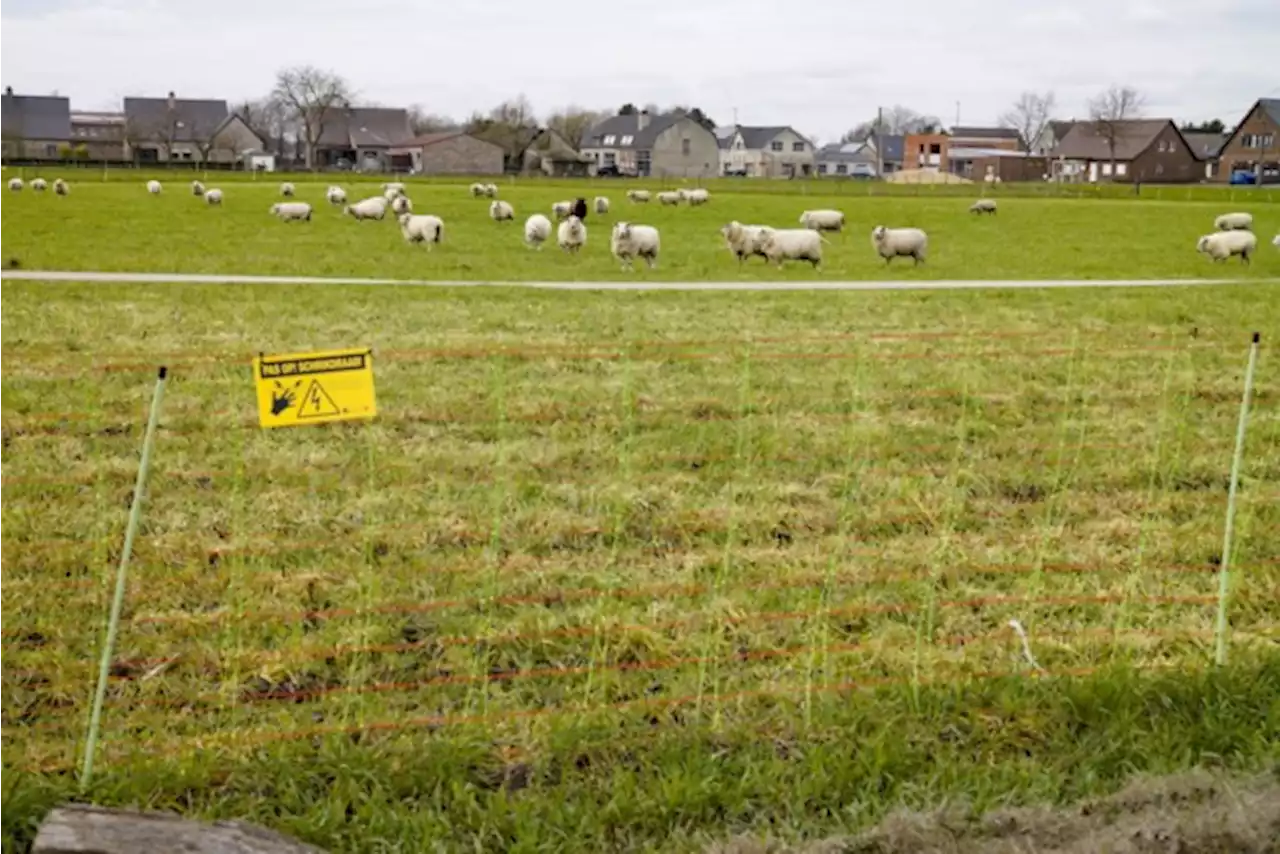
312 388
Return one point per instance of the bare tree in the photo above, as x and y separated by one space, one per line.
1109 111
573 122
1029 116
309 96
420 121
895 120
512 125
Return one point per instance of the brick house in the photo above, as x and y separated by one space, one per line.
1151 150
1254 141
448 153
36 127
925 151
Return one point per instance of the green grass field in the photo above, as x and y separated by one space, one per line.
631 571
119 227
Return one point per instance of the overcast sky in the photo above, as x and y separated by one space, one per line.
818 66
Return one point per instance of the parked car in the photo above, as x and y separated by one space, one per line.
1242 177
609 170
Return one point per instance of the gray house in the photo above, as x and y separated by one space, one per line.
764 152
159 130
851 160
35 126
666 145
362 138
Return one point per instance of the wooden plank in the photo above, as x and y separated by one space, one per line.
85 829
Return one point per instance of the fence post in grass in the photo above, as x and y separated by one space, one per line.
117 603
1224 566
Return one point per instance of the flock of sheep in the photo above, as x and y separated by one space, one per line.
628 241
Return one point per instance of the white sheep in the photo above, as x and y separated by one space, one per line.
336 195
745 240
374 207
1276 240
697 196
537 230
61 187
398 186
823 220
602 204
392 194
630 241
15 184
401 205
289 211
491 190
890 243
571 235
197 189
153 187
670 197
213 196
478 190
982 206
286 189
1234 221
638 196
792 244
560 210
501 211
425 228
1221 245
39 185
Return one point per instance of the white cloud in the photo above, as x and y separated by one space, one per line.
818 69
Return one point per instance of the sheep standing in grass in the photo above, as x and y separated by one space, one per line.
15 184
401 205
638 196
698 196
392 194
61 188
792 244
1221 245
602 205
491 190
336 195
478 190
1234 222
213 197
426 229
290 211
39 185
822 220
983 206
670 197
286 189
374 207
571 235
197 189
501 211
1276 241
396 186
560 210
537 230
153 187
891 243
629 241
745 240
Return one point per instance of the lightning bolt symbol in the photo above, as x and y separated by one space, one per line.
315 397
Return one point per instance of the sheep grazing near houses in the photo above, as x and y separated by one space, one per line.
602 205
197 189
392 194
401 205
1221 245
39 185
891 243
697 196
398 186
374 207
1234 222
153 187
983 206
561 210
61 187
286 189
537 230
670 197
639 196
792 244
629 241
745 240
571 235
15 184
336 195
491 190
291 211
213 197
477 190
501 211
823 220
425 228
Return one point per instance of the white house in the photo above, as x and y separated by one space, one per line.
764 152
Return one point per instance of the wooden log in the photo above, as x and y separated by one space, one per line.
85 829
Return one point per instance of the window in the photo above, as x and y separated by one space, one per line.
797 146
1159 168
642 162
842 169
822 168
776 145
686 147
935 148
1106 168
1268 140
609 139
628 139
1247 140
1121 169
51 150
610 159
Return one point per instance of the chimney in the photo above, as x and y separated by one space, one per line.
8 90
171 99
642 121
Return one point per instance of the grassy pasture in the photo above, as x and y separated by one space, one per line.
119 227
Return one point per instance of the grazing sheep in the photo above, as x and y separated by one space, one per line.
374 207
197 189
491 190
1276 240
289 211
39 185
1234 221
501 211
61 187
560 210
401 205
745 240
15 184
213 197
286 189
823 220
638 196
670 197
792 244
889 243
981 206
336 195
398 186
630 241
478 190
392 194
697 197
602 205
425 228
1221 245
153 187
572 234
537 230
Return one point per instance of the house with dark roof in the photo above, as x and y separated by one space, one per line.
670 145
447 153
1207 147
1145 150
172 129
848 160
549 153
1053 133
361 138
100 135
1254 144
1005 139
764 152
36 127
